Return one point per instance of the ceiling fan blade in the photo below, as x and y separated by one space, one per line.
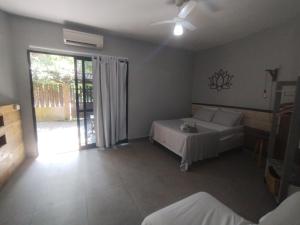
210 5
188 25
186 9
169 2
163 22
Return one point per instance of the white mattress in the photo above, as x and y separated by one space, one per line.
229 137
225 132
210 140
198 209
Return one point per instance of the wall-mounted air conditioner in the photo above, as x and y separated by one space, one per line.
82 39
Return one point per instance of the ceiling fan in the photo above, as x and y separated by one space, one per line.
211 5
185 8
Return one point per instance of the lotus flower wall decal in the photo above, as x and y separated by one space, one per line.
220 80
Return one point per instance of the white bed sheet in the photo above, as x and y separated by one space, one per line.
210 140
229 137
225 132
198 209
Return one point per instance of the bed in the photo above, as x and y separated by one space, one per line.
209 141
197 209
203 209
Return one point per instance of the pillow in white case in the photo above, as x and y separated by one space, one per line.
227 118
240 114
205 114
287 213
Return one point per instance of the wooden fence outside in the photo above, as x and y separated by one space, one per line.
48 95
58 101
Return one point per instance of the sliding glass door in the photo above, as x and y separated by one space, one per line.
84 101
62 102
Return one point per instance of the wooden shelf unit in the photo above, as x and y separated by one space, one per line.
11 141
286 167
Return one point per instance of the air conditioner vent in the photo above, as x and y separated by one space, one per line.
82 39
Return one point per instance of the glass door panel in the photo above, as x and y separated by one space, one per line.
79 70
85 112
91 138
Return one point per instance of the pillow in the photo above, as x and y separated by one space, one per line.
205 114
227 118
240 114
286 213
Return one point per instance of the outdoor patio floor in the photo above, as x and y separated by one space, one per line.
57 137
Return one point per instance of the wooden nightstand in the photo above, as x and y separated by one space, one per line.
257 141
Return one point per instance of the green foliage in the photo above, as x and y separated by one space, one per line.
88 67
48 68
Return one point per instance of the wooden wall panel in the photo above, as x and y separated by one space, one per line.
252 118
12 153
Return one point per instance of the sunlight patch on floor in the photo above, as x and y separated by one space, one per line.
57 138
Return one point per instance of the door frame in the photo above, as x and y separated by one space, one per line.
74 57
32 93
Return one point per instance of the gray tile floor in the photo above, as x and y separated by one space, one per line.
122 186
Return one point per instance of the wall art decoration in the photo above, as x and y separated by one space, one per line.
220 80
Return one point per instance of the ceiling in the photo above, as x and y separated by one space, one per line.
132 18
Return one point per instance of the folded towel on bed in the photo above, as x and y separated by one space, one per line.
187 128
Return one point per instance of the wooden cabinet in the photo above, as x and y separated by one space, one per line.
257 141
11 141
282 136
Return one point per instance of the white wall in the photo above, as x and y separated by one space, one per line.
296 48
8 93
159 78
247 59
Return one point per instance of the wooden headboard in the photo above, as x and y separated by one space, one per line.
253 118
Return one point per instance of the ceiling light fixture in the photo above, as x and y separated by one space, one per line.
178 29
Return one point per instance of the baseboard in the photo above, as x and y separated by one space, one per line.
132 140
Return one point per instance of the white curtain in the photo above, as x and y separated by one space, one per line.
110 100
